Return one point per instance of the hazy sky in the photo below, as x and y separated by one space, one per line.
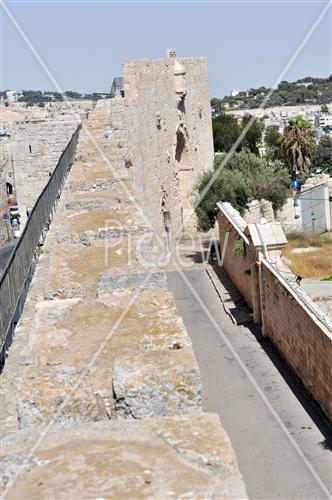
248 44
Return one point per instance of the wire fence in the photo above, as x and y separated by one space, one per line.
15 275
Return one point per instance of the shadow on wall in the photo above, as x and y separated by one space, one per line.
292 321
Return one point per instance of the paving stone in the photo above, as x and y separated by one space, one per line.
109 283
157 383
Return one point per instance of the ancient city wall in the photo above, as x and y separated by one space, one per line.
36 149
169 132
300 338
127 400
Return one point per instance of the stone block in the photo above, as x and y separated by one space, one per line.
156 383
170 457
109 283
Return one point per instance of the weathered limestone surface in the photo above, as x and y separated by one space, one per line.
46 141
139 384
257 210
170 457
109 283
31 149
100 340
168 116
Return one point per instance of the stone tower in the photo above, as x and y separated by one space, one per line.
168 118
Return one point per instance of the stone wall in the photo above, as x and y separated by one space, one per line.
285 316
169 133
28 156
36 149
290 216
303 341
238 267
258 209
101 352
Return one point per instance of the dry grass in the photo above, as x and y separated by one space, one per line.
315 264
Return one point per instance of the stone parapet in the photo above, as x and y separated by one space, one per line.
183 456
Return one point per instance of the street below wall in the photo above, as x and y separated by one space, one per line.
269 462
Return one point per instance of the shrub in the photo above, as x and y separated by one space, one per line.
244 177
239 248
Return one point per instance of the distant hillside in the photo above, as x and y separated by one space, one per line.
39 98
308 90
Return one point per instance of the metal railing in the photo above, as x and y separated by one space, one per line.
16 273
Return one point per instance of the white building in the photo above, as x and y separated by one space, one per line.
12 96
325 120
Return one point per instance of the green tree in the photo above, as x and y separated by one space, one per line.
225 131
298 144
245 177
323 156
215 101
72 94
273 140
318 91
253 135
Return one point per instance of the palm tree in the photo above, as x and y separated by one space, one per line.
298 144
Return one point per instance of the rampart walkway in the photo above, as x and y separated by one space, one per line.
101 393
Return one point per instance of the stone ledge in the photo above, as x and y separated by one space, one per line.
153 384
130 282
87 237
187 456
149 334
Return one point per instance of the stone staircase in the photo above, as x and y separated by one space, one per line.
101 392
